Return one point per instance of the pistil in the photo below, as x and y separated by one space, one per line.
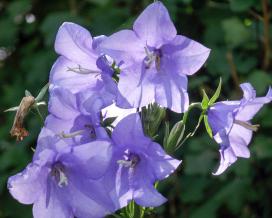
247 125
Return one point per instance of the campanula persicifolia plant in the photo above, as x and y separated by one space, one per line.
89 164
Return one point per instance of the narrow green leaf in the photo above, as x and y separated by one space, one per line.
166 134
207 125
12 109
28 93
217 93
205 101
42 93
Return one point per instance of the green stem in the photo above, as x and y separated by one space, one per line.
184 120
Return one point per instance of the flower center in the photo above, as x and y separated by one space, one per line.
58 173
130 160
247 125
151 57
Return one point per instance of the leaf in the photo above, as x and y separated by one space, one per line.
166 134
236 33
241 5
205 100
207 126
217 93
19 7
42 93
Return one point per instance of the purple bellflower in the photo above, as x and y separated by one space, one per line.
136 165
156 61
69 118
231 126
80 67
62 181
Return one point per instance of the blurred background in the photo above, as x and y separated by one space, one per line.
239 34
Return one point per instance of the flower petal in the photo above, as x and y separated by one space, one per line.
64 74
93 158
145 193
183 56
116 46
31 180
56 207
163 165
248 91
63 104
227 158
129 131
117 183
220 116
171 92
239 138
251 105
87 198
136 87
75 43
154 26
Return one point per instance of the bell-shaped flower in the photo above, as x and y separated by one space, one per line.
64 181
230 122
156 61
137 164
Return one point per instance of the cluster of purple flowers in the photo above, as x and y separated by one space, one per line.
81 170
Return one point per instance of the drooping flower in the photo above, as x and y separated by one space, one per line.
62 181
80 67
136 165
75 118
156 61
230 122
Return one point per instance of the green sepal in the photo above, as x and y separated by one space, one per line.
205 100
216 94
175 137
42 93
207 126
152 117
108 121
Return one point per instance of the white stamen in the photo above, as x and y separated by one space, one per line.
81 70
247 125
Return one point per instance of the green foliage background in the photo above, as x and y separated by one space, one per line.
237 31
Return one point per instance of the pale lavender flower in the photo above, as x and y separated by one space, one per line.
80 67
156 61
60 180
231 126
136 165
